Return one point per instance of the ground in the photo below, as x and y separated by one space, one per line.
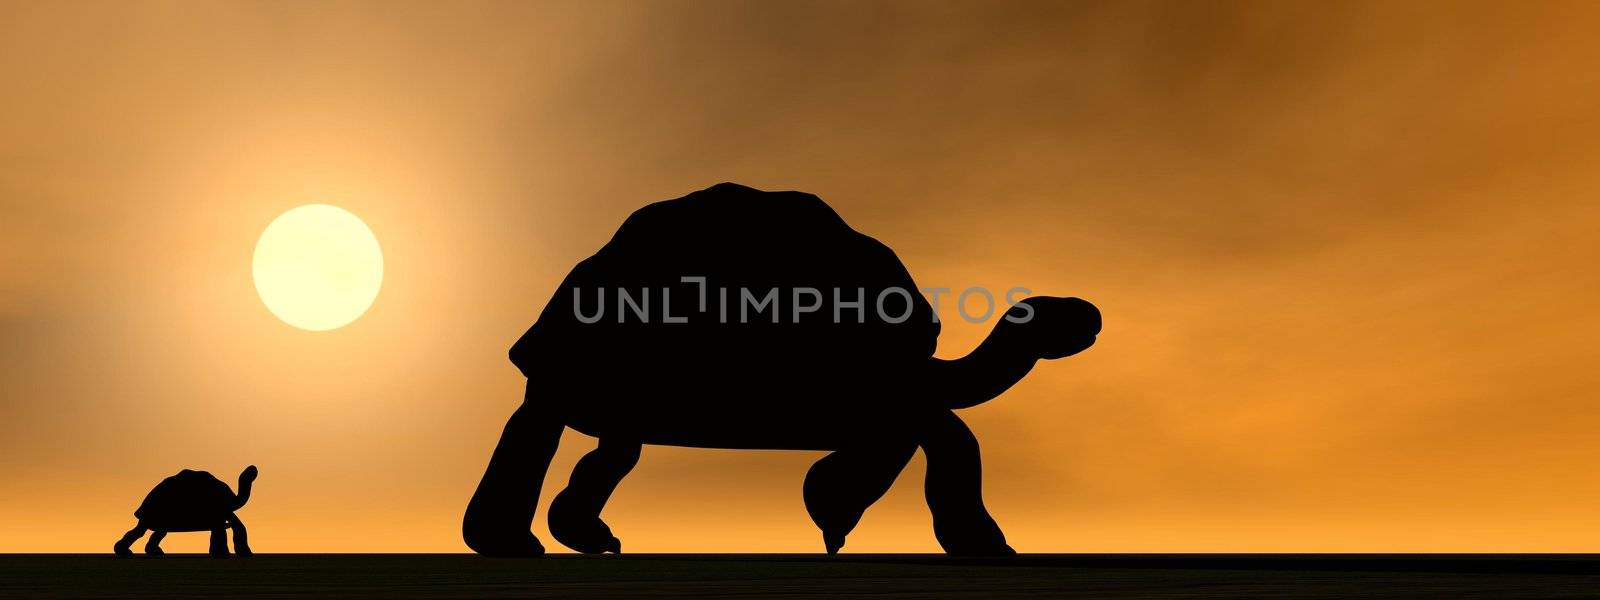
804 576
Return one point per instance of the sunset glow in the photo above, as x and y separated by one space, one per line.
318 267
1345 252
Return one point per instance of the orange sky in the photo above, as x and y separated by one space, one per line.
1344 253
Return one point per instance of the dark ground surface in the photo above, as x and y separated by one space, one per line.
804 576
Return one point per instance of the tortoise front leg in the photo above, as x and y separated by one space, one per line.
219 542
954 488
840 487
575 512
241 538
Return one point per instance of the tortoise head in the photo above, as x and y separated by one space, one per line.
1049 327
247 479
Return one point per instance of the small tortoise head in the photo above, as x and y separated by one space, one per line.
1049 327
247 480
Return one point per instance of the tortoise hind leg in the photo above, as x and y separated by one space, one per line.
501 511
575 512
839 488
124 546
153 546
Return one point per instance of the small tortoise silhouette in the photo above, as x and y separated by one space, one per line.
192 501
736 318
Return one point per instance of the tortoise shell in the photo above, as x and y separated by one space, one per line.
190 500
748 246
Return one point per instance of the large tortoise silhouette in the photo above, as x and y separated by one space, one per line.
737 318
192 501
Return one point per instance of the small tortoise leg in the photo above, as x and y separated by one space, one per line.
219 542
124 546
575 512
839 488
241 538
152 546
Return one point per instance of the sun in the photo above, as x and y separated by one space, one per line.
318 267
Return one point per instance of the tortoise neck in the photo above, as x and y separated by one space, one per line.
988 371
245 483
